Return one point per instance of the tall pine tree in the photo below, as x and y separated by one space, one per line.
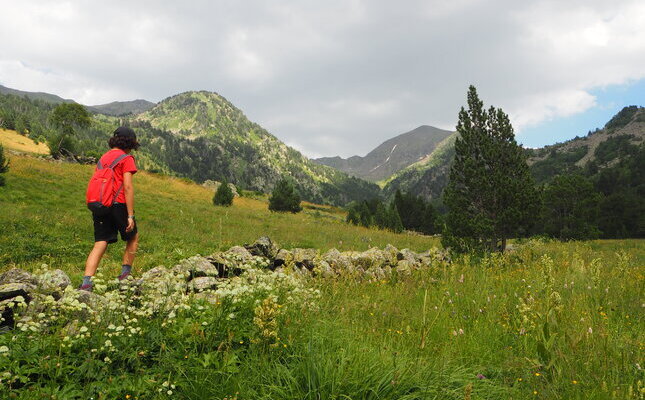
491 194
4 165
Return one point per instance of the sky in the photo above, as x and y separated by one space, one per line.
340 77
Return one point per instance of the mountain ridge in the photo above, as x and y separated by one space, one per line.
390 156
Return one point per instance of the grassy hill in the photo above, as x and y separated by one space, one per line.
44 220
547 320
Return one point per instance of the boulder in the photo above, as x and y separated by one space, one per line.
404 267
16 275
92 300
194 267
408 255
10 290
263 247
239 254
54 283
283 257
371 258
203 283
155 273
339 262
304 258
323 269
214 185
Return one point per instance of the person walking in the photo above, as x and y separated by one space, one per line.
110 196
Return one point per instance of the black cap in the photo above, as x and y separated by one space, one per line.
126 132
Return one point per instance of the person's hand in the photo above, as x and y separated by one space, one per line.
130 226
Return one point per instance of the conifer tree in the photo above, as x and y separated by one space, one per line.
285 198
4 165
395 224
491 194
224 195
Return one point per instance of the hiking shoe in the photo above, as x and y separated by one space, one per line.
123 276
87 287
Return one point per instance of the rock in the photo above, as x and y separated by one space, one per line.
371 258
323 269
9 290
304 258
92 300
404 267
338 261
54 283
408 255
239 253
196 266
7 310
283 257
16 275
203 283
155 273
263 247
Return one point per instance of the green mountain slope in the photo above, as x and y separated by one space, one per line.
47 97
589 155
212 139
121 108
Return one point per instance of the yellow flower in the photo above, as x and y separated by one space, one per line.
535 392
127 396
537 374
574 382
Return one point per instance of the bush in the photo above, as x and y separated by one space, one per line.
223 195
285 198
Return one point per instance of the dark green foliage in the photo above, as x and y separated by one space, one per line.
614 147
285 198
491 195
557 163
224 195
4 165
571 208
621 119
375 213
416 213
67 117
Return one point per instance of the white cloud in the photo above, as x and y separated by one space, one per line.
352 72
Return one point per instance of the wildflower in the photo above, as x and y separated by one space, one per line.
537 374
4 349
480 376
574 382
589 330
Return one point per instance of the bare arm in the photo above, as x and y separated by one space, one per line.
128 189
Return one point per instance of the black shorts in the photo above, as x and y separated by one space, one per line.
107 226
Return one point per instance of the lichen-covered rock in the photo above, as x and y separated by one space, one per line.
15 275
53 283
304 258
263 247
371 258
323 269
9 290
91 299
339 262
404 267
408 255
239 255
283 257
155 273
203 283
196 266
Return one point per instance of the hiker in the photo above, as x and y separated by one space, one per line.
110 197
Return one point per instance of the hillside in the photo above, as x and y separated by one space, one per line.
391 156
603 148
48 97
44 220
122 108
203 136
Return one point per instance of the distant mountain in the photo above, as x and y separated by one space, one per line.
122 108
392 155
600 149
47 97
203 136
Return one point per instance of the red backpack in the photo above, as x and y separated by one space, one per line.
101 193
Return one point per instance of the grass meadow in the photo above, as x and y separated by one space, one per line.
548 320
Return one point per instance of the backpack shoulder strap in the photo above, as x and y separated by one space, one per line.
99 165
117 160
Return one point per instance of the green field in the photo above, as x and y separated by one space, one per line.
547 320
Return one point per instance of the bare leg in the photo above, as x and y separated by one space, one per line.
131 250
94 258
